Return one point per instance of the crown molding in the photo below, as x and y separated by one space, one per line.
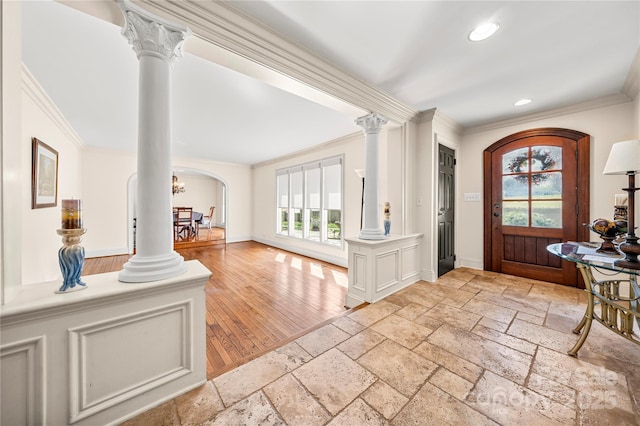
220 24
631 86
602 102
32 88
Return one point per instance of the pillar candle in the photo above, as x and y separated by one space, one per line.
620 200
71 214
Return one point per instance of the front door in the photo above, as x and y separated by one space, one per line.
446 197
536 194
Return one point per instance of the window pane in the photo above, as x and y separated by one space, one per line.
283 223
297 225
546 214
313 188
333 226
515 213
546 185
283 190
516 161
296 189
546 158
515 187
314 224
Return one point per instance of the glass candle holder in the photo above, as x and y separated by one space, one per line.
71 214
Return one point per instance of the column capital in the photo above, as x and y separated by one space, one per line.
151 35
371 123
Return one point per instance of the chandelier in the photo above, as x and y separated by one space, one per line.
176 187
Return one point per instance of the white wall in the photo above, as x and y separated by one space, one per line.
605 126
106 176
40 242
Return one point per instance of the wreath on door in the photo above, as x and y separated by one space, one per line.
520 162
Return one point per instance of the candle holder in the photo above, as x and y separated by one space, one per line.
71 259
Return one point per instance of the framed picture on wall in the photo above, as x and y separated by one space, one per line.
44 175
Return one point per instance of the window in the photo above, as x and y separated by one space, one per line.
309 204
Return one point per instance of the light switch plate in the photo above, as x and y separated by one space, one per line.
472 196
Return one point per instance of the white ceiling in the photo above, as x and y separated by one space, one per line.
556 53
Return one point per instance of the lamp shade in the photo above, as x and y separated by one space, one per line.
623 158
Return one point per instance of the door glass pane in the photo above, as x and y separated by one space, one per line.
515 213
546 158
515 187
546 214
546 185
516 161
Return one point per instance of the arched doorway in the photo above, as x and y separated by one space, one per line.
536 192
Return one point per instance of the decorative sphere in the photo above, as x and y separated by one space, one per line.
608 228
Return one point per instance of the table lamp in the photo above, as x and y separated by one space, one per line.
624 159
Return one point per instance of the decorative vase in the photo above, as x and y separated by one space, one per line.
71 259
608 231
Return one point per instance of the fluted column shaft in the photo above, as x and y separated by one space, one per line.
371 124
157 43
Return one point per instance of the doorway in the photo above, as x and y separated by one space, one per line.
446 204
536 192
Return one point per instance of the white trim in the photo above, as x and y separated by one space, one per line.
32 88
471 263
631 86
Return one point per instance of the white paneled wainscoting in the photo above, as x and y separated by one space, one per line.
378 268
103 354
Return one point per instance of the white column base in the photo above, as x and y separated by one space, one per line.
145 269
372 234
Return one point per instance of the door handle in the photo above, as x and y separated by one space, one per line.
496 214
496 206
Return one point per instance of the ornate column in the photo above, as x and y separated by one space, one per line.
371 124
157 43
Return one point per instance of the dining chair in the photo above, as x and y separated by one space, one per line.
207 220
183 221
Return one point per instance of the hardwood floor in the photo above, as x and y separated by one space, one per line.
258 298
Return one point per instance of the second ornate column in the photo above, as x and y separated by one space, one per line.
371 124
157 43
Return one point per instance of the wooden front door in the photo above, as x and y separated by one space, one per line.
536 194
446 197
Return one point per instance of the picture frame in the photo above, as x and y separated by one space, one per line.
44 175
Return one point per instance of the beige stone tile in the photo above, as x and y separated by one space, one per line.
451 383
451 296
199 405
334 379
554 292
528 305
505 339
450 315
493 356
434 406
477 285
322 339
490 310
419 294
293 402
163 415
509 403
530 318
348 325
460 274
385 399
412 311
399 367
463 368
248 378
450 281
401 330
358 413
494 325
543 336
373 313
430 322
253 410
362 342
552 390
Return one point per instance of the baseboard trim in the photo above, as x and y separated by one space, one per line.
334 260
106 252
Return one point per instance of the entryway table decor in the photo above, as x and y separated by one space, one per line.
71 254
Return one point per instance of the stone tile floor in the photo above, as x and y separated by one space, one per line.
473 348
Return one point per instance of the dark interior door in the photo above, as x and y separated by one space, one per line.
446 197
535 197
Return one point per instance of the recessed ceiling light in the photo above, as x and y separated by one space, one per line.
522 102
483 31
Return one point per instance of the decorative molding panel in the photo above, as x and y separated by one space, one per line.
22 368
388 266
359 271
115 360
410 261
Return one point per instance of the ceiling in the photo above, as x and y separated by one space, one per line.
555 53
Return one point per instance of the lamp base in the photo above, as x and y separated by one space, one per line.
631 250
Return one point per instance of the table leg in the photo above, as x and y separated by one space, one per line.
585 324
